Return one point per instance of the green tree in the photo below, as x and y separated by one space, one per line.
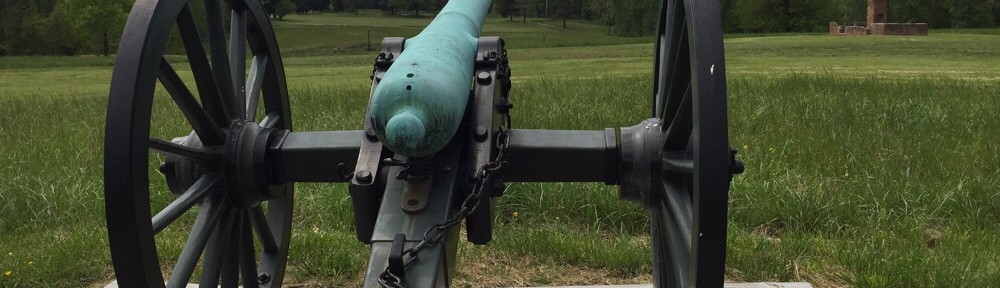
851 11
784 15
934 12
407 5
634 17
282 8
13 17
352 6
729 23
98 20
566 9
972 13
505 8
437 5
41 27
598 10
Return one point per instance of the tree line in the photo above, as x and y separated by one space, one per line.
755 16
61 27
638 17
71 27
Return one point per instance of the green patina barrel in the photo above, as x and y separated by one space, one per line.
419 104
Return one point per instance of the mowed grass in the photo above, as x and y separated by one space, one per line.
871 161
353 33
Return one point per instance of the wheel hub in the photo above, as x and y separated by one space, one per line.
180 172
245 165
640 162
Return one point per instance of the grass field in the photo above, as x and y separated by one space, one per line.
871 162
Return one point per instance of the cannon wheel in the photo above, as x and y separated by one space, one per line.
689 210
218 172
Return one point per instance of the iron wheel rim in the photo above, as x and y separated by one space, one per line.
140 63
689 207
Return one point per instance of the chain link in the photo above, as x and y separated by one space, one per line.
379 57
435 233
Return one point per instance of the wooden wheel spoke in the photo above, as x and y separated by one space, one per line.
679 63
238 56
215 253
678 202
231 263
659 85
679 129
203 125
263 230
257 69
208 219
248 256
211 97
182 204
674 164
674 65
181 151
661 59
220 58
270 120
671 231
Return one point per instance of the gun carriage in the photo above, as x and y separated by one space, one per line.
436 149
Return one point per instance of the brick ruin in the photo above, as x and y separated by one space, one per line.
878 11
878 18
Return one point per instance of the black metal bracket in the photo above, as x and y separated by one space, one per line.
487 114
391 48
396 265
367 183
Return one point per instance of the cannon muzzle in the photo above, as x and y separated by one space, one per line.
419 104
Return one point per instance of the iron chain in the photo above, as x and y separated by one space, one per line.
435 233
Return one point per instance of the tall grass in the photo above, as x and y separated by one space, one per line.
866 181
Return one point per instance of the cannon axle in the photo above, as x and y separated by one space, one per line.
439 111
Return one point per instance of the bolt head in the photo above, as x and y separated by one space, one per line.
481 133
363 176
484 78
263 278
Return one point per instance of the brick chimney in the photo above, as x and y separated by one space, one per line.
878 12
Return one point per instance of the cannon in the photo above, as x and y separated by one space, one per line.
436 149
